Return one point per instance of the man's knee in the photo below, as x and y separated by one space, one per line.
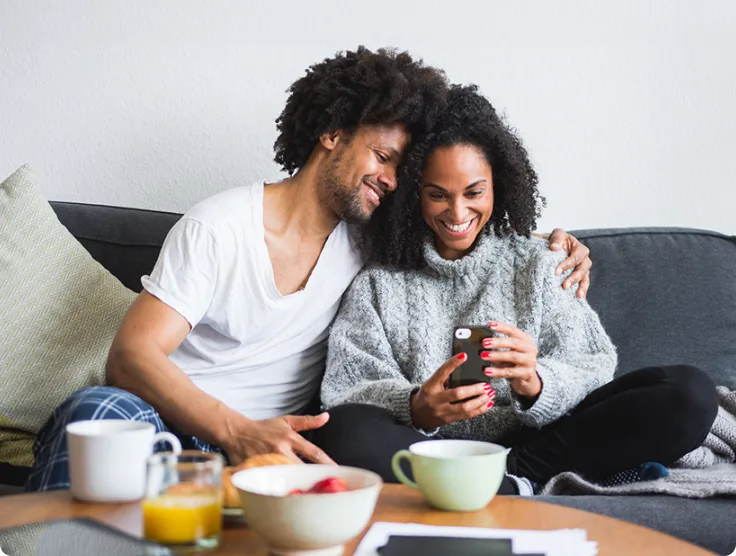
103 402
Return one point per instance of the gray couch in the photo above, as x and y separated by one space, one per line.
664 296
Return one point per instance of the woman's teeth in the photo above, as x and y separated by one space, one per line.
459 228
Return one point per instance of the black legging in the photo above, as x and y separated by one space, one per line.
654 414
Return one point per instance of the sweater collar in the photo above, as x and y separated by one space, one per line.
478 262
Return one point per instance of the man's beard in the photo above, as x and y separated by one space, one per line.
346 201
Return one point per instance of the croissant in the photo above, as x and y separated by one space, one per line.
231 498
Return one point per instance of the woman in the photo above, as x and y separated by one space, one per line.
453 248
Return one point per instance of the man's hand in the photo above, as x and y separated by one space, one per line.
579 259
435 405
279 435
518 360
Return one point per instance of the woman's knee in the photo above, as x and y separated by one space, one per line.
357 414
353 421
364 436
693 402
694 389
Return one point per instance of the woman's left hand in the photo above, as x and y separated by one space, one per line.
518 363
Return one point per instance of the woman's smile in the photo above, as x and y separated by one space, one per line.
459 231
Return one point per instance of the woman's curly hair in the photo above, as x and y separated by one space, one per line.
395 235
354 89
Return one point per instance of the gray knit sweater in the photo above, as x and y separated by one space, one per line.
394 330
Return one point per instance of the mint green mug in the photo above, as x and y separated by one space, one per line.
456 475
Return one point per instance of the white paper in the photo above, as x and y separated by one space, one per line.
561 542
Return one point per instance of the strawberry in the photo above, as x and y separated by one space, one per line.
328 485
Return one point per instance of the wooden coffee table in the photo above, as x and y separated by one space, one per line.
397 503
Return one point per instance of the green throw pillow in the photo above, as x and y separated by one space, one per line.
59 310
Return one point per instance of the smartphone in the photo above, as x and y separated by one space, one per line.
469 339
399 545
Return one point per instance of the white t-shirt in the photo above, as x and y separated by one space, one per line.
257 351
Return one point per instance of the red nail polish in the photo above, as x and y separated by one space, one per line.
491 393
493 323
490 404
462 357
487 386
487 343
485 353
488 371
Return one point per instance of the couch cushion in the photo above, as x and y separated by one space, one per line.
59 312
666 296
707 523
126 241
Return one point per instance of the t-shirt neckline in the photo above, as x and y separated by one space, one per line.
269 276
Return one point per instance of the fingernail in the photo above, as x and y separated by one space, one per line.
462 357
491 393
558 272
565 285
555 245
487 343
487 386
488 371
493 324
490 404
485 353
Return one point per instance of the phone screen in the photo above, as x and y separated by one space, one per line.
469 339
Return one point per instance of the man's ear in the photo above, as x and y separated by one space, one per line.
330 139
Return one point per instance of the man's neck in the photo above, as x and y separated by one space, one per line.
294 207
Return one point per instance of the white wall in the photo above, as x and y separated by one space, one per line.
628 107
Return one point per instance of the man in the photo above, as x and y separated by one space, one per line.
225 345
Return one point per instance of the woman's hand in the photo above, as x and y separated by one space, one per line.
579 259
518 363
432 405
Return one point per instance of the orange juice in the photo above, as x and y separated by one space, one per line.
182 519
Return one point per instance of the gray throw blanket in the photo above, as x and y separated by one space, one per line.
709 470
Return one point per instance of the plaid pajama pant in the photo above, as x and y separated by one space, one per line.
51 468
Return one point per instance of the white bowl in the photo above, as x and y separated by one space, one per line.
306 523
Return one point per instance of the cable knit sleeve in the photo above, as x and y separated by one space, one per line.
576 356
360 364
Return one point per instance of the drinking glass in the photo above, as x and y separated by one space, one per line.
182 507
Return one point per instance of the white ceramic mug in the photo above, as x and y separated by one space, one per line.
107 458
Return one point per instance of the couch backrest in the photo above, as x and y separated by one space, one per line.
125 241
665 295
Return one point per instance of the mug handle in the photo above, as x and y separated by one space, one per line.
396 467
170 438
